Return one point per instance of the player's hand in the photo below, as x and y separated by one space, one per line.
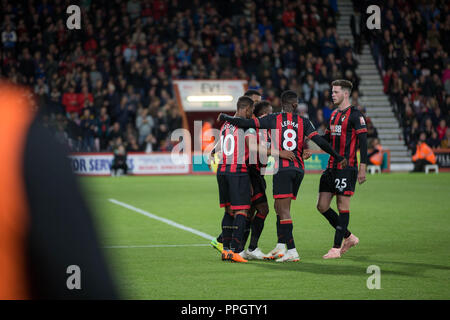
343 163
287 155
306 154
362 173
211 158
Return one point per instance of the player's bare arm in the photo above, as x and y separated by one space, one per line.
306 154
325 146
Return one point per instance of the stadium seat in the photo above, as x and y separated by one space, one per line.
374 169
434 167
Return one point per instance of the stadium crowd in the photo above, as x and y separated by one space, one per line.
109 83
411 51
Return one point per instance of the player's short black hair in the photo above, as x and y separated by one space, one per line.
288 98
244 102
260 107
344 84
252 92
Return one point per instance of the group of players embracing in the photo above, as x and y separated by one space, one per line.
254 134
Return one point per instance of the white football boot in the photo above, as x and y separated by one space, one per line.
255 254
290 256
277 252
243 254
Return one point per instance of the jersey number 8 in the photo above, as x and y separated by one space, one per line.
289 143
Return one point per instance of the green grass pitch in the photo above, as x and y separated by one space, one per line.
402 220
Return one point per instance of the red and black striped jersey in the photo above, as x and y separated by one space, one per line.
342 132
290 134
262 137
234 148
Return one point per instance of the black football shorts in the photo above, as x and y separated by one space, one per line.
234 191
258 187
286 183
339 181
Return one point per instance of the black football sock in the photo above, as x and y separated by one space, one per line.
344 217
227 230
238 231
333 219
246 234
286 228
220 238
279 233
257 228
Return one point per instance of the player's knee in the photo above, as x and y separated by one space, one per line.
321 207
263 210
343 207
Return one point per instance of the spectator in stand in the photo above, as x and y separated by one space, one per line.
61 135
9 38
175 120
133 145
428 127
122 112
433 141
162 129
310 88
103 123
313 108
441 129
445 143
375 152
149 144
356 25
114 133
424 155
75 132
165 146
144 124
89 129
371 131
85 99
71 102
328 43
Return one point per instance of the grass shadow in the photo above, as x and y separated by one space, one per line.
424 266
331 269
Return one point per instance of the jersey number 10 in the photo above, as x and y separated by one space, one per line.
227 151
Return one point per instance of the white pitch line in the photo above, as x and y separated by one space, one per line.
158 246
169 222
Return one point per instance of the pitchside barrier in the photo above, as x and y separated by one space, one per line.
163 163
139 164
315 164
443 159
